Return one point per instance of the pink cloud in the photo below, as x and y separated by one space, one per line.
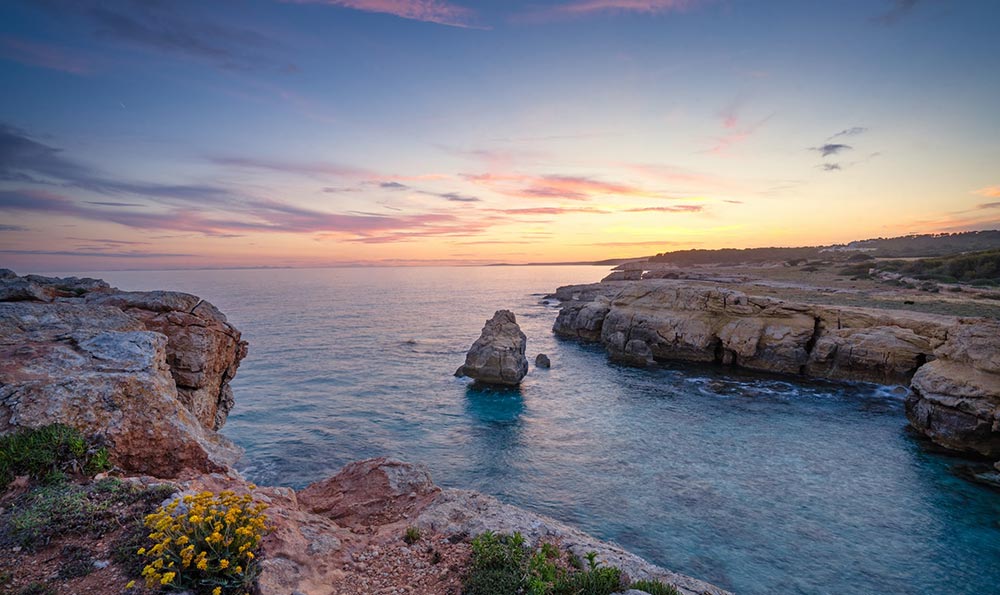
45 56
555 186
737 133
430 11
580 8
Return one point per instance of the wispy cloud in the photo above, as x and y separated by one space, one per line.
556 186
897 10
6 227
318 169
737 133
853 131
96 254
830 166
23 159
669 209
989 192
43 55
178 29
831 149
429 11
582 8
988 205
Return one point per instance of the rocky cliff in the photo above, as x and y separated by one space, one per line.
148 372
951 364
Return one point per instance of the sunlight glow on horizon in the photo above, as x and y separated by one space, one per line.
322 133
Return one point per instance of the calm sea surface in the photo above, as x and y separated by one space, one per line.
763 485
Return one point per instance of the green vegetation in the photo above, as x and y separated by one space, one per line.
411 536
654 588
54 510
942 244
505 565
977 268
735 256
49 453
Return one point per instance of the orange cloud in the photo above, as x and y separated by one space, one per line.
989 192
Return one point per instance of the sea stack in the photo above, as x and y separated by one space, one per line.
497 356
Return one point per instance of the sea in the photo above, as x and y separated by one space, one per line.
760 484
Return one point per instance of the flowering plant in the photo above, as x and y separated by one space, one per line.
206 543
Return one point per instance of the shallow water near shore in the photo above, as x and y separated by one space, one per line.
759 484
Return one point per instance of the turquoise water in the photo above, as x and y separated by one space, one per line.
760 484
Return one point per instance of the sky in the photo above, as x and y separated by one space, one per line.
149 134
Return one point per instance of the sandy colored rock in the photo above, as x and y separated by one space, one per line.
955 398
497 356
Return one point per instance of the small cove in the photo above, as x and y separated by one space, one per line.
757 483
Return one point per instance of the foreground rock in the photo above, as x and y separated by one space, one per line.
497 356
148 372
954 363
334 533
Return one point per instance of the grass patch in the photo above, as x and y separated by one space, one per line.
504 565
53 510
49 453
411 536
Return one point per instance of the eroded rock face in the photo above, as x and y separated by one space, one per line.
370 492
324 531
956 396
117 365
497 356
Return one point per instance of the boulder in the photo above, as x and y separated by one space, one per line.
497 356
542 361
376 491
148 372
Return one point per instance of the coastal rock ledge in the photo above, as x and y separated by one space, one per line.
147 372
497 356
951 364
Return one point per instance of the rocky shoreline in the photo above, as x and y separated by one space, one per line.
147 374
950 364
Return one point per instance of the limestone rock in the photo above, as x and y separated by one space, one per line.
147 371
464 513
497 356
542 361
370 492
99 370
956 406
954 362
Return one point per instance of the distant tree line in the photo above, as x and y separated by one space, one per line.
977 268
942 244
736 256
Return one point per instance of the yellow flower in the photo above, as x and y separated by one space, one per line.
132 584
223 563
168 577
203 564
217 591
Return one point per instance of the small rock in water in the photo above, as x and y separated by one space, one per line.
497 356
542 361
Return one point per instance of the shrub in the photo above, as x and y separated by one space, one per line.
504 565
654 588
49 453
206 543
411 536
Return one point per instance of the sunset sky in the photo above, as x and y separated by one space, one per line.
162 134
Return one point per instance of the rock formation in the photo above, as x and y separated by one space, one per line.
542 361
322 529
148 372
954 363
497 356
